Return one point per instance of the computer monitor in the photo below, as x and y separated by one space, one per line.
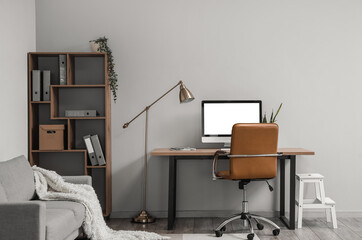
218 118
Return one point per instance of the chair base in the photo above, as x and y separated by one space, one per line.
247 217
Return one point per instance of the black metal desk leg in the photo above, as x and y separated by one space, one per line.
282 187
290 223
172 191
292 192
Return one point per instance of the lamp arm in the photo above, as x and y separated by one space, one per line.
149 106
179 83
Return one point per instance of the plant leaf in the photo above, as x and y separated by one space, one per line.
271 117
280 106
112 75
264 118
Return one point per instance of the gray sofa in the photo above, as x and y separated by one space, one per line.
24 217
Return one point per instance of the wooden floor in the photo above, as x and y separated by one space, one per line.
313 229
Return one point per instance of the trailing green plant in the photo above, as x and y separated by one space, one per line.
272 116
112 75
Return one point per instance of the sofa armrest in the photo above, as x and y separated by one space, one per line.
22 220
78 179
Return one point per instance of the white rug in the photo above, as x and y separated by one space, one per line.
225 236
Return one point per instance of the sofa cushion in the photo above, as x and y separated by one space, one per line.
77 208
73 235
17 179
3 197
60 223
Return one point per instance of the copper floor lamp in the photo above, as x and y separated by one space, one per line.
185 97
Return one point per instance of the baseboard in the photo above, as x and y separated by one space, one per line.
226 213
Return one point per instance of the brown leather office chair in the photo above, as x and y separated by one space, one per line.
253 156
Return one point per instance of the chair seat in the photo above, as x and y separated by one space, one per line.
224 174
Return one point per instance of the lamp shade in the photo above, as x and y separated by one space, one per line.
185 94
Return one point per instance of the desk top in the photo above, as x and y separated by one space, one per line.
211 152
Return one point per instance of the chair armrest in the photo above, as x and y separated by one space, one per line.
214 163
78 179
22 220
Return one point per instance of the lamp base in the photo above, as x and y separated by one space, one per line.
143 217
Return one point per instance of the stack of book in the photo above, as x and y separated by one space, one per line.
94 149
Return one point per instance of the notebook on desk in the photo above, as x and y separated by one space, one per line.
182 149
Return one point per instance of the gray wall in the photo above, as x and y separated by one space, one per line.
306 54
17 25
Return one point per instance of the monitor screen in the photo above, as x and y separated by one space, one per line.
218 117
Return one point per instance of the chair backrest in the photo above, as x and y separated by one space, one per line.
249 139
16 180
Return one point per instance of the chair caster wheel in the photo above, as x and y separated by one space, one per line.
276 232
250 236
218 233
260 226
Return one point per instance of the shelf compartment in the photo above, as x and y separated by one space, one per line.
90 127
87 70
40 115
66 163
44 115
77 98
99 184
49 62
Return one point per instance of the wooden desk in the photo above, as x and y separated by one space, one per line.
288 154
211 151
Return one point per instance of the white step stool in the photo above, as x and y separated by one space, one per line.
321 201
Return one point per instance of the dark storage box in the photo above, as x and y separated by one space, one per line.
51 137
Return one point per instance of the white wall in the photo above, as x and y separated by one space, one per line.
17 25
306 54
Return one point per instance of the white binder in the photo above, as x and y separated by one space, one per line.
90 149
98 150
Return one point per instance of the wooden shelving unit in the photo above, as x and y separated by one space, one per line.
87 88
